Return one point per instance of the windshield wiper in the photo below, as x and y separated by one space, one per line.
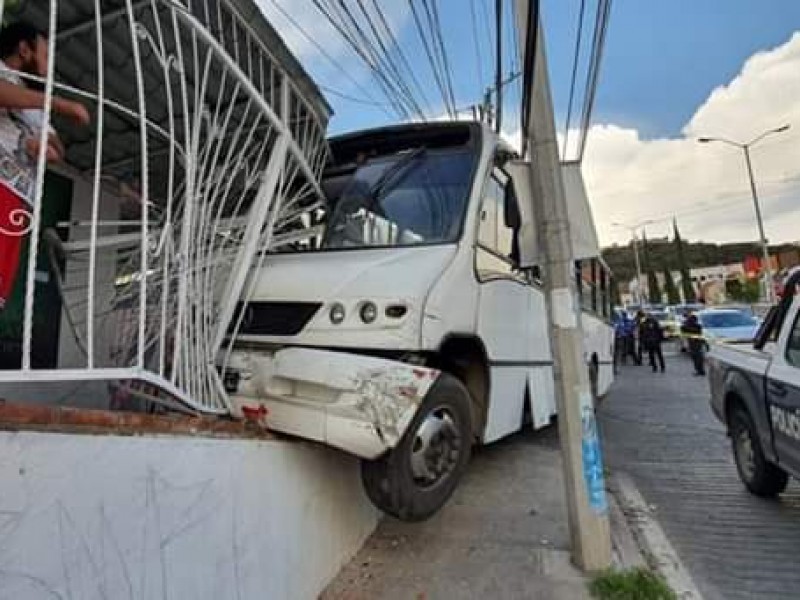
394 174
371 197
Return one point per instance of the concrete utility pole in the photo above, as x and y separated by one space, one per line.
769 293
583 473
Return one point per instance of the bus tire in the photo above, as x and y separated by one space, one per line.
759 476
416 478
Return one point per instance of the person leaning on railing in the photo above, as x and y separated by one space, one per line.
23 51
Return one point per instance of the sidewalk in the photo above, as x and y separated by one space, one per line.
504 535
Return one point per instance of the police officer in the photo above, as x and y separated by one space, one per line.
694 331
652 335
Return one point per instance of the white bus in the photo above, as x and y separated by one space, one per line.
401 325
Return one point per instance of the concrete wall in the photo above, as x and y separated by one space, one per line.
90 517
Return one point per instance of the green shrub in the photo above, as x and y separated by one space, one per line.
633 584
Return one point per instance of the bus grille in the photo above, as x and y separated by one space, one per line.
276 318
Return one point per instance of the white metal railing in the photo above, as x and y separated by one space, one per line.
196 156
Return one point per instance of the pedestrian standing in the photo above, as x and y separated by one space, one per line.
693 330
625 333
638 325
619 339
652 336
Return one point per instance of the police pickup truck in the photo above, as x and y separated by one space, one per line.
755 392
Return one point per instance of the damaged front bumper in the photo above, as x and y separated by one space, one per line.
359 404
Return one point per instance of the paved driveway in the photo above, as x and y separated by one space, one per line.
503 535
660 431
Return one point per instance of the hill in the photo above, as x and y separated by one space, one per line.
661 254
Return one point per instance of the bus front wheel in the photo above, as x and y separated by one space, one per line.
416 478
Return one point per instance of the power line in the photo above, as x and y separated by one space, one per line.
478 61
399 109
574 77
371 99
511 98
488 28
592 77
515 59
391 76
498 74
515 48
431 8
367 54
731 199
437 76
384 21
528 71
350 98
388 61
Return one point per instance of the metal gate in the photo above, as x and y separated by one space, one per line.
207 141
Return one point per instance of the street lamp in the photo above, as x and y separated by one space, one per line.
745 148
632 229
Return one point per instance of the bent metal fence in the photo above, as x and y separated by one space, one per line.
204 149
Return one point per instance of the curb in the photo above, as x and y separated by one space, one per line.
625 552
646 532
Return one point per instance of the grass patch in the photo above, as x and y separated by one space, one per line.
633 584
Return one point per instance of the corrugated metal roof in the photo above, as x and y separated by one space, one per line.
249 39
253 15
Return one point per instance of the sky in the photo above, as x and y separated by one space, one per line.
672 71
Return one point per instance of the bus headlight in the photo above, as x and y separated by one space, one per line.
368 312
337 313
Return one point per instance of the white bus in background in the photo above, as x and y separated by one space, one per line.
407 322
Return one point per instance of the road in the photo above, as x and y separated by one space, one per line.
660 431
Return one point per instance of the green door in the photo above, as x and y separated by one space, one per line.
56 206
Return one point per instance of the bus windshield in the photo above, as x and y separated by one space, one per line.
414 197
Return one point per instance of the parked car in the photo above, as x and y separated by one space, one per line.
728 324
755 392
744 308
681 311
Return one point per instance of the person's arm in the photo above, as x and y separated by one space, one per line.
55 148
14 96
55 142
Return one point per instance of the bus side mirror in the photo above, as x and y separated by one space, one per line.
511 214
524 223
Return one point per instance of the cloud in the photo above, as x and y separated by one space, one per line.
630 179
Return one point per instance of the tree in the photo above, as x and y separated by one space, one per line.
12 10
686 278
673 297
616 297
653 289
748 290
